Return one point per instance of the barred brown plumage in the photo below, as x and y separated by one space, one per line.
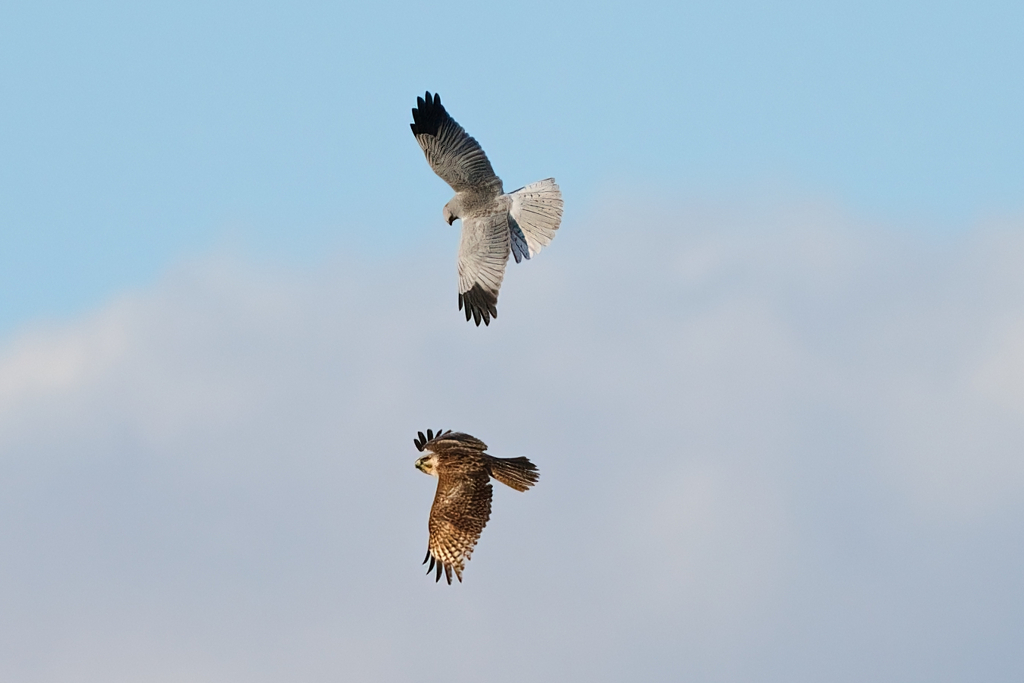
462 503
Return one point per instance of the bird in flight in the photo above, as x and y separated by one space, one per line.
462 504
493 223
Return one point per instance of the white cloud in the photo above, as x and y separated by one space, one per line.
756 430
43 364
999 376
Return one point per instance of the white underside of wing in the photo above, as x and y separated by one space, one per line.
537 208
483 252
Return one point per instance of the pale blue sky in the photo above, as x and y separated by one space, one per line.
132 137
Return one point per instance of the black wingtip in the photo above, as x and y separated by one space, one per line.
480 304
426 558
428 116
421 441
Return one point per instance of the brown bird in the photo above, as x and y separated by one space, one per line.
462 504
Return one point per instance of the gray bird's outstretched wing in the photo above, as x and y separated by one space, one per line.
451 151
483 253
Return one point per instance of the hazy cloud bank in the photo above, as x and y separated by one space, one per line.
774 445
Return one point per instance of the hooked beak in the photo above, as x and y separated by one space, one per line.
451 219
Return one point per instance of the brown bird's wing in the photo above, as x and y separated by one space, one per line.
422 441
451 151
452 442
462 506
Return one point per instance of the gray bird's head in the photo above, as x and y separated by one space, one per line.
453 209
428 464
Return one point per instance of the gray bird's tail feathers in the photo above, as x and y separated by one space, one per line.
536 213
518 473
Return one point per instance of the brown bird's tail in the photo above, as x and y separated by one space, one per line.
519 473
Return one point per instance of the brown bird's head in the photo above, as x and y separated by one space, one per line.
428 464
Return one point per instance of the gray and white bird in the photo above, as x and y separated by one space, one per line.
493 223
462 504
